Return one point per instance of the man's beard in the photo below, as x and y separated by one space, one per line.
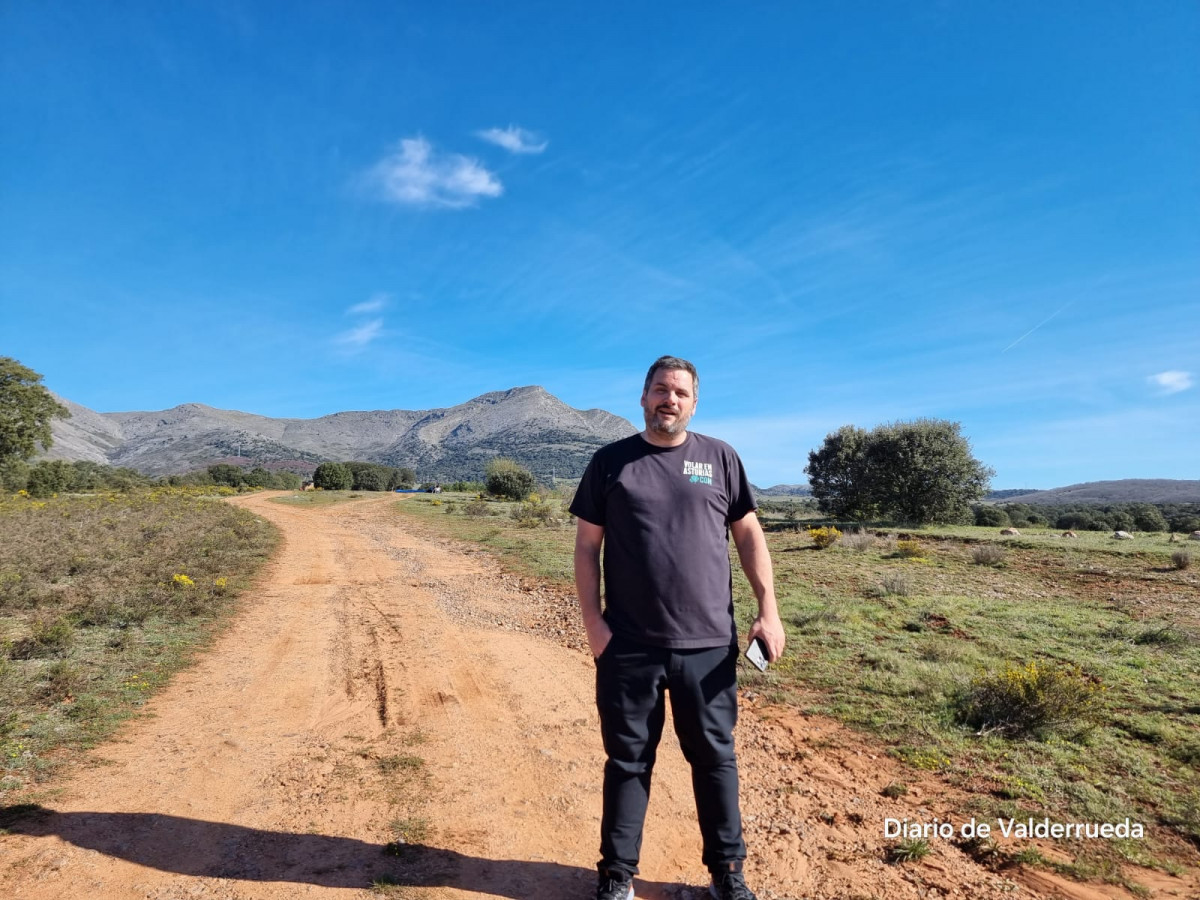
670 428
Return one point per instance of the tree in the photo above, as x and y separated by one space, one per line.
991 516
1148 517
508 478
839 476
14 474
403 477
1184 522
26 410
258 477
368 476
913 472
227 474
283 480
50 477
333 476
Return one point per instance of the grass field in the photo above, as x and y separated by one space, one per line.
101 598
900 642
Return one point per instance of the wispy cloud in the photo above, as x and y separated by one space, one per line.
357 338
374 305
416 174
514 139
1172 382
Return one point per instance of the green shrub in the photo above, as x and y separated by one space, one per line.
1034 699
465 487
508 478
47 637
990 516
226 473
533 514
909 549
476 508
50 477
824 537
333 476
1181 559
1162 636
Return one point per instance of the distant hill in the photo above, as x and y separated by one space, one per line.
1009 493
526 423
1126 490
783 490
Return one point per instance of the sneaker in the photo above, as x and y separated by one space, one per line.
731 887
614 886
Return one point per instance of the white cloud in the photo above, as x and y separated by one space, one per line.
417 175
1172 382
359 337
514 139
375 304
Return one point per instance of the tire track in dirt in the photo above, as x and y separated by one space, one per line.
383 683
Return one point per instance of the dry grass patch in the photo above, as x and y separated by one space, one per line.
988 555
101 598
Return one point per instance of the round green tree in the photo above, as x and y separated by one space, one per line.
333 476
508 478
912 472
26 411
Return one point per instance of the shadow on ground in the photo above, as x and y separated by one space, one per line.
218 850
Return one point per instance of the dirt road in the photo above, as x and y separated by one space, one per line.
384 685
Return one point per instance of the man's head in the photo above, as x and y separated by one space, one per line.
669 397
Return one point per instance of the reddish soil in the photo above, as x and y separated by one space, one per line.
383 682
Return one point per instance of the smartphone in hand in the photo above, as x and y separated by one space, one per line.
757 654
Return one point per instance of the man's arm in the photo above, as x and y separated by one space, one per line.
756 563
588 538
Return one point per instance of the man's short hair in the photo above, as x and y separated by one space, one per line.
672 362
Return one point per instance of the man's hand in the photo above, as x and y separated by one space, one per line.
598 635
588 540
770 629
756 563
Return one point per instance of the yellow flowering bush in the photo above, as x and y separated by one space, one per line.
824 537
182 580
1033 699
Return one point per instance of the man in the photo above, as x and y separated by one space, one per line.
661 505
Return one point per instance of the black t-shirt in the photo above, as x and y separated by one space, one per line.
666 513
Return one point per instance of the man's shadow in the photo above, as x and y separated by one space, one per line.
219 850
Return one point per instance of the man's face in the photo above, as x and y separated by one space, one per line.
669 402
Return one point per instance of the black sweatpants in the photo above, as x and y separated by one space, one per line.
631 684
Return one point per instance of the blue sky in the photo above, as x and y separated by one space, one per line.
842 213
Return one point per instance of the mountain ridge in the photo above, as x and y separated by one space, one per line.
526 423
1122 490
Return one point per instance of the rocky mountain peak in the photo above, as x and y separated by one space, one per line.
527 423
